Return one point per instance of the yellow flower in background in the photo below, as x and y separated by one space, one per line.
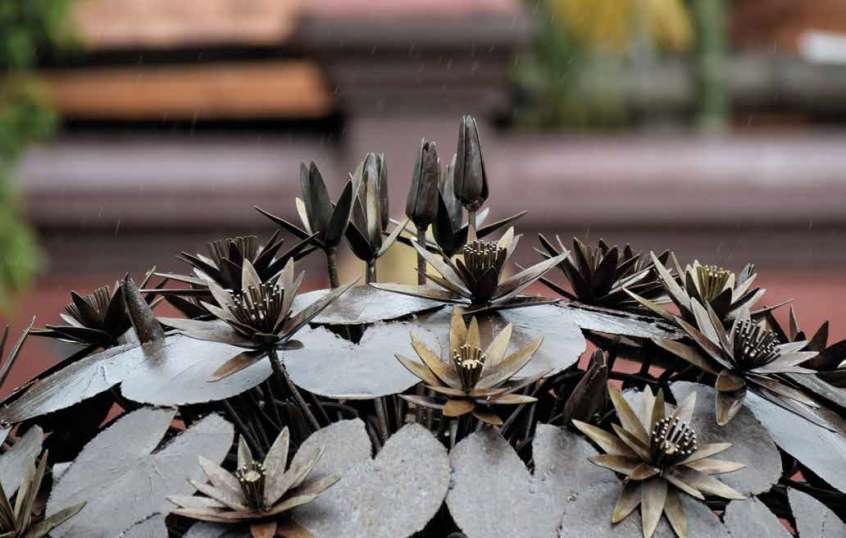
613 24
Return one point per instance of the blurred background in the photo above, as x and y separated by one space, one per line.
131 130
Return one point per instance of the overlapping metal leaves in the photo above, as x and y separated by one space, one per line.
456 407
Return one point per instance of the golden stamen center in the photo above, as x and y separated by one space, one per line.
672 441
712 280
259 307
251 477
481 256
754 346
469 361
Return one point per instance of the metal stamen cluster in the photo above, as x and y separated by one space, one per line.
482 256
252 479
469 361
713 280
259 307
672 441
754 346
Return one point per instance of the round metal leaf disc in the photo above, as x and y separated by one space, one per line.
813 518
123 478
334 367
395 494
365 304
179 373
752 518
821 450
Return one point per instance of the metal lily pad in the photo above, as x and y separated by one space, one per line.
334 367
604 320
391 496
563 342
751 443
365 304
813 518
76 382
15 462
180 371
493 494
122 464
215 331
752 518
821 450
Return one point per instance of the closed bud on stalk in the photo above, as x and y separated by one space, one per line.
589 396
422 204
374 179
470 180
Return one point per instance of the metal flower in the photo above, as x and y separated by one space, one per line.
262 312
225 262
19 522
726 293
320 218
601 275
477 278
746 354
659 456
471 182
97 319
258 493
370 217
472 379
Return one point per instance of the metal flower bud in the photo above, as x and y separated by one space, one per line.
422 204
447 227
589 397
321 217
471 182
373 197
370 215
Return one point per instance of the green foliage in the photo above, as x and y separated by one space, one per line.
571 75
550 78
29 30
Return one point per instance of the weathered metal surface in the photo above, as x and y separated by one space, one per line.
122 463
394 494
